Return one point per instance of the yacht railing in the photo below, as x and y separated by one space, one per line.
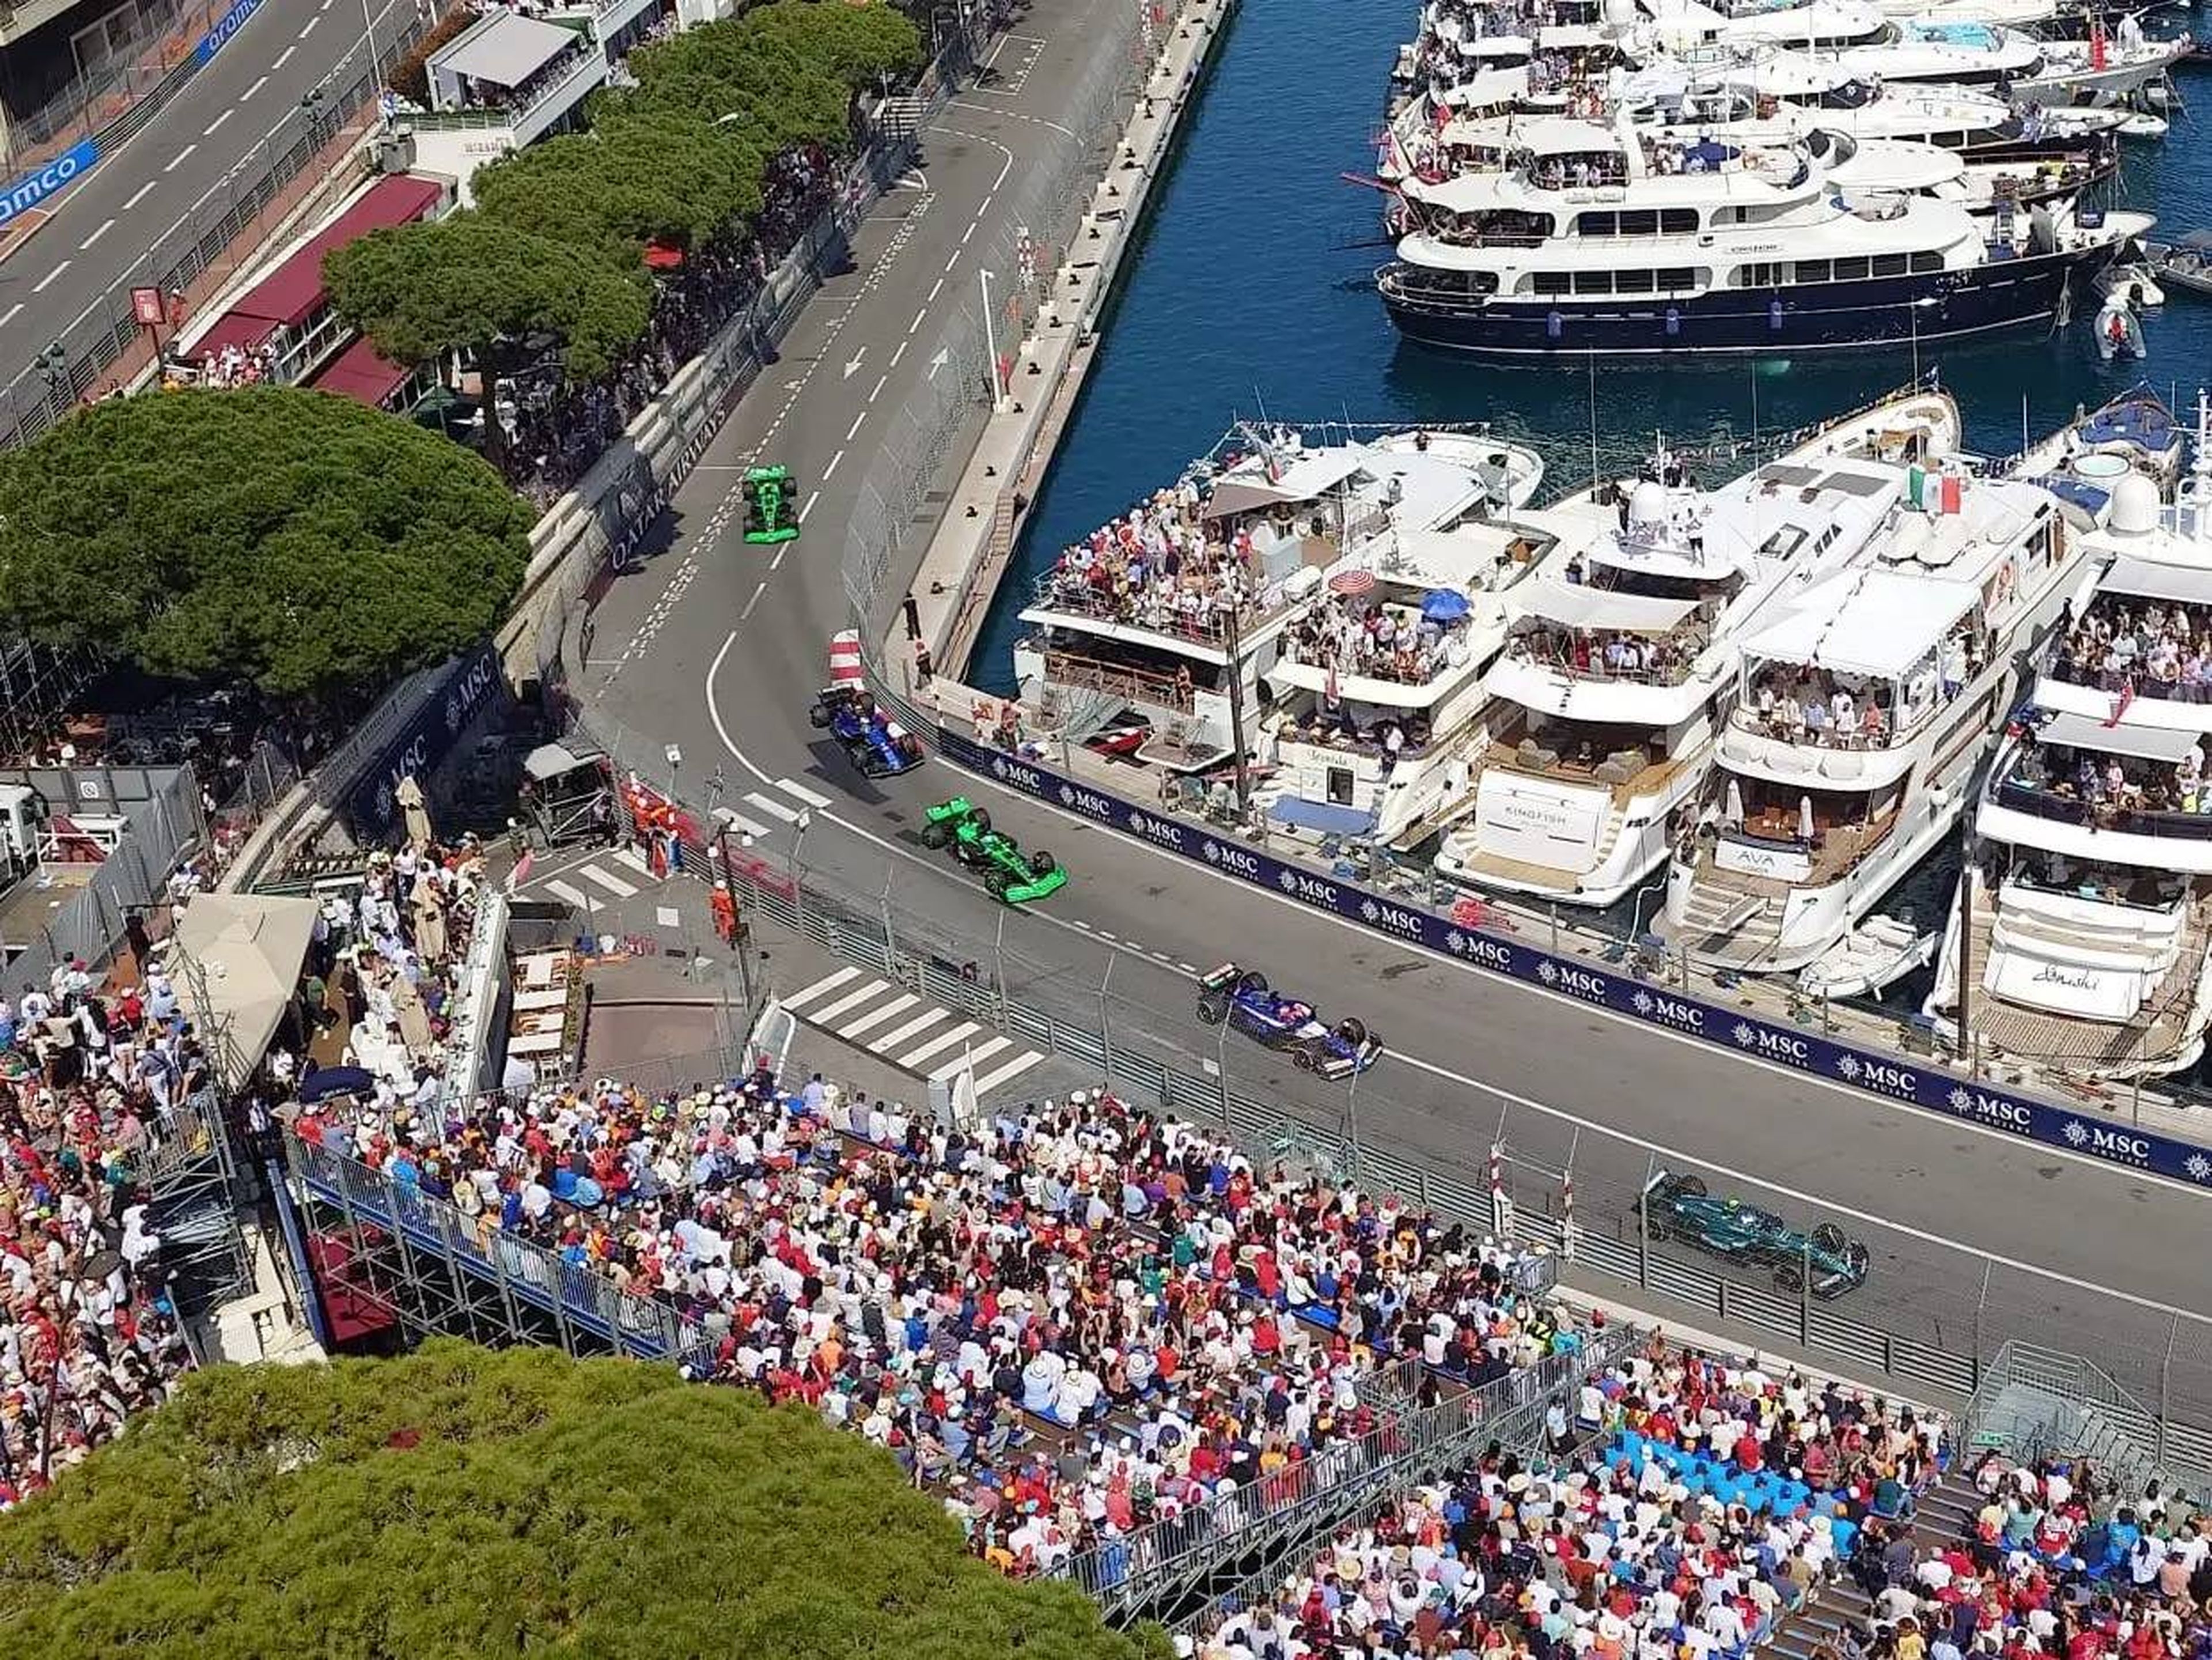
2105 816
1116 680
1554 651
1211 626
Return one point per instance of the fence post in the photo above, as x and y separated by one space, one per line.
891 936
1644 1223
998 966
1567 1200
2165 1391
1981 1307
1105 1025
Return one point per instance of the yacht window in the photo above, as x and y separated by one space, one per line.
1890 264
1632 282
1639 221
1847 270
1678 221
1593 282
1812 270
1340 785
1597 224
1927 261
1550 283
1678 279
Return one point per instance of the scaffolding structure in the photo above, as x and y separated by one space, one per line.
193 1204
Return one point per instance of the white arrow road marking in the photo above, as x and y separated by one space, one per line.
853 364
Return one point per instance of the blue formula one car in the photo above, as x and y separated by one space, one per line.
1241 997
1827 1261
871 740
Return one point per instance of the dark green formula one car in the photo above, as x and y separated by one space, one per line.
1827 1259
1010 876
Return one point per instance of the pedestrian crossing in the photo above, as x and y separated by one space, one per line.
930 1042
614 873
740 814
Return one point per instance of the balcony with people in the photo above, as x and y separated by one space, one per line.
2133 646
2120 780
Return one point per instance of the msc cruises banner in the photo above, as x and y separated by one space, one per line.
1893 1077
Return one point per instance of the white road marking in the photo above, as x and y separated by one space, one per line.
613 884
745 826
568 896
953 261
832 467
923 312
1595 1127
776 563
936 289
914 1058
759 590
891 1040
43 282
246 97
853 429
812 798
881 381
964 235
209 131
1005 1074
9 316
827 982
968 1058
804 508
877 1016
105 225
851 1000
138 196
178 160
771 808
635 860
310 28
283 58
900 353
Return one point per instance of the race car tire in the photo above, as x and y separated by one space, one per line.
1690 1187
980 819
995 885
1304 1059
1352 1031
1212 1011
1252 983
1042 863
935 834
819 715
1829 1237
1789 1274
1655 1223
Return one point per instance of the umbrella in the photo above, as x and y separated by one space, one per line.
1735 815
1444 606
1353 583
336 1080
1804 818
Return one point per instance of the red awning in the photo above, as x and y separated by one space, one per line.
362 373
290 293
658 257
231 328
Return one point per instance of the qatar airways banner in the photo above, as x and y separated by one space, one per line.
1893 1077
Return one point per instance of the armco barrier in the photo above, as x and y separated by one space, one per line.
1889 1076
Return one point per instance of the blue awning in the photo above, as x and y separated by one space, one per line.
1325 816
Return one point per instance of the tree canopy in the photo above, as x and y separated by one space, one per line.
556 241
461 1501
295 539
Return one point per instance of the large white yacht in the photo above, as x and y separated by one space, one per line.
1166 619
1622 660
2085 909
1864 718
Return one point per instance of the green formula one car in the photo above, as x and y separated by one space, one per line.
1679 1208
1010 877
771 504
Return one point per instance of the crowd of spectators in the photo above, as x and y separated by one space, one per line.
1069 1321
2109 787
2054 1562
1610 654
1163 565
1379 640
1692 1503
232 365
2140 648
89 1079
1801 703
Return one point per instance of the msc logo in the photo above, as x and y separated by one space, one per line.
1310 889
1883 1077
1019 776
1768 1044
1394 919
1997 1111
1166 832
1671 1011
1575 982
1237 861
2116 1145
1489 953
1087 801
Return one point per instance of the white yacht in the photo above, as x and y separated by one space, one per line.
1622 660
1864 717
2085 910
1164 620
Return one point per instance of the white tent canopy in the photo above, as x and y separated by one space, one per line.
1573 606
2079 732
2151 579
243 952
1887 623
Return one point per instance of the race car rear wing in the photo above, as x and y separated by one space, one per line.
1214 979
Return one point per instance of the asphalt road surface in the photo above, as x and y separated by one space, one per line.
123 222
1976 1238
